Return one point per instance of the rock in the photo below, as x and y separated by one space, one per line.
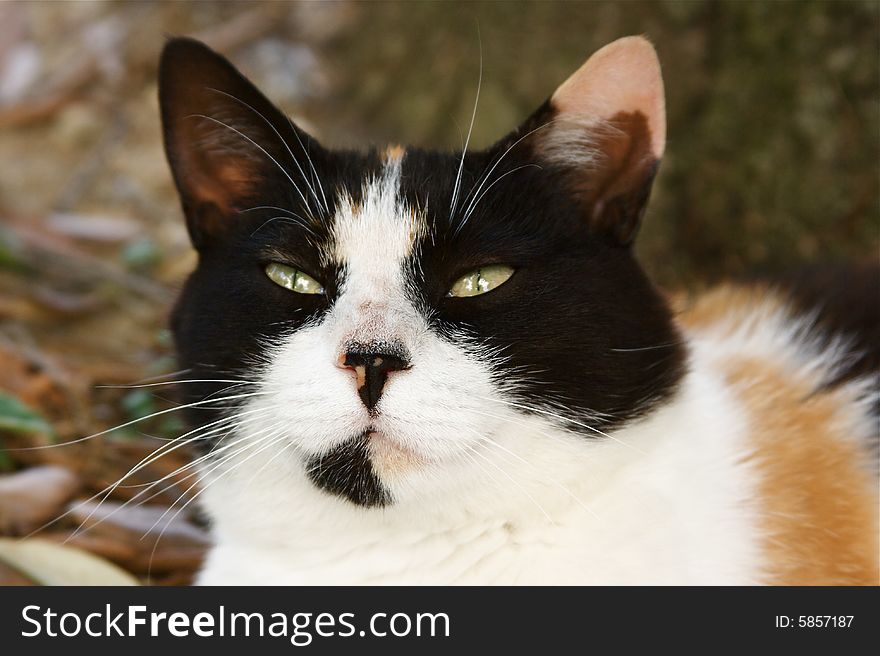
34 496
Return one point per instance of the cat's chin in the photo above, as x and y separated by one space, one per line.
361 468
390 458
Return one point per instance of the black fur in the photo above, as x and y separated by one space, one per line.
579 329
845 301
347 471
578 311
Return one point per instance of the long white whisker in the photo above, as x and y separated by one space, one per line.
467 142
150 379
162 451
265 152
473 194
135 421
488 440
290 219
272 439
195 496
469 457
268 207
278 134
565 420
177 382
314 170
269 462
193 464
106 489
515 482
477 200
221 425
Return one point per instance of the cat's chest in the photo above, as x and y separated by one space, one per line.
454 555
634 539
496 552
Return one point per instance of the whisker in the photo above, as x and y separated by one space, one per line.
272 439
162 451
278 134
488 440
269 462
470 458
135 421
474 192
153 457
166 375
515 482
97 494
288 219
646 348
212 453
268 207
565 420
477 200
265 152
176 382
467 142
196 495
312 165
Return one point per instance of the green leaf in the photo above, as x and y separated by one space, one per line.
171 427
6 463
141 255
16 417
139 404
11 251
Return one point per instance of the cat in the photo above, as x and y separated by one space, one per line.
416 367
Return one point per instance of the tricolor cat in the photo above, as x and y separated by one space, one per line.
415 367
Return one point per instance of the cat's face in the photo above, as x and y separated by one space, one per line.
394 312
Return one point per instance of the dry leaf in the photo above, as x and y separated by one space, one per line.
34 496
54 564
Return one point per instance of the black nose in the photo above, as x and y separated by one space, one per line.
372 367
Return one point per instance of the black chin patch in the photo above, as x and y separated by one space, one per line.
347 471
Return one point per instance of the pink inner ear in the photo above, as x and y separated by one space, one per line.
622 78
221 184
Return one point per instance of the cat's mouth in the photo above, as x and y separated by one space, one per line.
359 468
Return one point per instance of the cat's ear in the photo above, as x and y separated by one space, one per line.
224 140
604 128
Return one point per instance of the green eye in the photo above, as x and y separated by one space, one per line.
481 281
293 279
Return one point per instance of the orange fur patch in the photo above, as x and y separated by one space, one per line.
818 498
726 307
391 459
394 152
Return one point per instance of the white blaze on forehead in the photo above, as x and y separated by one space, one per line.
372 240
373 237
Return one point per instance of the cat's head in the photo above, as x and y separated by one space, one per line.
378 318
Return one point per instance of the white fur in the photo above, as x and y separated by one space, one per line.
667 503
482 492
574 142
775 334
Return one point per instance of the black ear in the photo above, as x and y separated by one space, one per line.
604 130
225 141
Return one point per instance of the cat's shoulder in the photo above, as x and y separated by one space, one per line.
801 359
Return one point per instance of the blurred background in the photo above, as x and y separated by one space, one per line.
772 161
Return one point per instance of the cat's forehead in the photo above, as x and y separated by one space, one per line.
399 196
375 222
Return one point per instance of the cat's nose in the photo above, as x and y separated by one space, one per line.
371 367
